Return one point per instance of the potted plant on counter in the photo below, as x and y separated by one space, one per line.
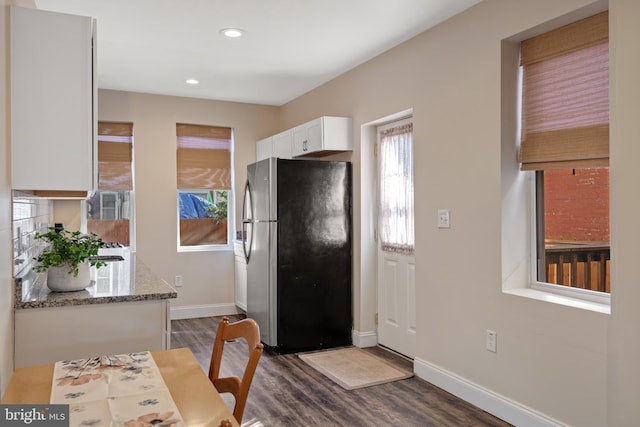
67 258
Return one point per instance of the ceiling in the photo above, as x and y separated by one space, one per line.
289 48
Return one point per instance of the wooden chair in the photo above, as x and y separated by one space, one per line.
249 330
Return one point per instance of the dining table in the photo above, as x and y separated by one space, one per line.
197 400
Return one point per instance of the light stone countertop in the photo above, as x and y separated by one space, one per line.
119 281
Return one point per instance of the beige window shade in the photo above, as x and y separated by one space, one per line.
115 146
565 108
203 157
578 35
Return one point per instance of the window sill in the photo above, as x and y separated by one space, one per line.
206 248
566 300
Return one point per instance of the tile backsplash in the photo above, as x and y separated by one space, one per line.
30 215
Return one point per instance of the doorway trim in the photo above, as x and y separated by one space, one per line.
366 296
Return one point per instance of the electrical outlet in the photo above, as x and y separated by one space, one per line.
178 281
492 341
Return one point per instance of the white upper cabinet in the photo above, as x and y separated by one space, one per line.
53 144
264 149
282 145
275 146
322 136
319 137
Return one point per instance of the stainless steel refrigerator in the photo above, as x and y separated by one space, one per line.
297 221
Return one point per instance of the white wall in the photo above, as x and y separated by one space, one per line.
552 360
6 255
207 276
623 374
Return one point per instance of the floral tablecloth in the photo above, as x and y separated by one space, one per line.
118 390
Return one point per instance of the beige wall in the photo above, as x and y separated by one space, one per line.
207 276
67 212
556 360
575 366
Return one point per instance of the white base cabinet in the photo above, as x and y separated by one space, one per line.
322 136
240 269
52 101
47 335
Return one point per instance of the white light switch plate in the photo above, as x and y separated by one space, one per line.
444 220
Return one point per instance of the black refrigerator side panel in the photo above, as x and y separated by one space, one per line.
314 254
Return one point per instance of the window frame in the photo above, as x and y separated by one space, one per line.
551 288
231 196
518 228
230 223
132 198
591 36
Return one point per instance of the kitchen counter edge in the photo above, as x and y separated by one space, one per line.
148 286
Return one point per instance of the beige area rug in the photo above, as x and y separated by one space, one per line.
354 368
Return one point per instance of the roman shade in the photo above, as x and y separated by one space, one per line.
565 98
115 142
203 157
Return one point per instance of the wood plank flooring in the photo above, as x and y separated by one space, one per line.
288 392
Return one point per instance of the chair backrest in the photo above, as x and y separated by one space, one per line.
239 387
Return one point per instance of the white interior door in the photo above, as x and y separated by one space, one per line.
396 262
396 302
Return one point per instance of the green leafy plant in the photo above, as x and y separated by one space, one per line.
68 248
218 210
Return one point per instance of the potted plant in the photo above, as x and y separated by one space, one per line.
67 258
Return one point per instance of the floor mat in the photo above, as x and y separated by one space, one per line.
354 368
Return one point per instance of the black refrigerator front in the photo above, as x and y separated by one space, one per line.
299 268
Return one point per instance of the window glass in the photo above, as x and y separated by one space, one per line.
395 205
110 208
109 215
574 247
203 217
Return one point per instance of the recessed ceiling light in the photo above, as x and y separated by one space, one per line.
192 81
232 32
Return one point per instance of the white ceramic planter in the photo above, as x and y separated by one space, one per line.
59 279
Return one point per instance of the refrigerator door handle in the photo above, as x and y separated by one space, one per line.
245 221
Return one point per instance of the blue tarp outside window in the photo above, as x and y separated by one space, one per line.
192 206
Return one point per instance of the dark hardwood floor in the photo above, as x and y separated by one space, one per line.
288 392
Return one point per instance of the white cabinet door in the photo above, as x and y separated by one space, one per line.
264 149
322 136
240 269
282 145
315 140
52 114
307 138
300 140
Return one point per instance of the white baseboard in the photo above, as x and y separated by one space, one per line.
487 400
194 311
364 339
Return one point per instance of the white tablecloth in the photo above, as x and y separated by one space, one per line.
118 390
